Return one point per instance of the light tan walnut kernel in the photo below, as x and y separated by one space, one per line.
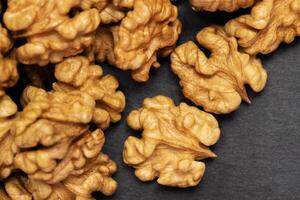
269 23
223 5
173 138
151 25
78 74
50 32
8 66
8 110
217 83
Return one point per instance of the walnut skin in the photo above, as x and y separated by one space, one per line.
51 34
270 23
173 138
8 66
8 110
78 74
150 26
217 83
224 5
96 177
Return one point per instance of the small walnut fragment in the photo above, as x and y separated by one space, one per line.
173 138
95 178
270 23
78 74
50 32
217 83
8 110
150 26
8 66
223 5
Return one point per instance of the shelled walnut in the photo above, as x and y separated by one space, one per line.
270 23
8 110
224 5
96 177
50 33
78 74
8 66
173 138
217 83
151 26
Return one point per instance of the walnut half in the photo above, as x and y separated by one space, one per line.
217 83
269 23
173 138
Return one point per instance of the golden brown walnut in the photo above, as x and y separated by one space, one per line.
217 82
173 138
8 66
8 110
150 26
78 74
52 133
50 32
223 5
96 177
270 23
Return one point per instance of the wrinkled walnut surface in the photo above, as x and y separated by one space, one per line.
270 23
224 5
78 74
8 66
217 82
173 138
150 26
96 177
50 32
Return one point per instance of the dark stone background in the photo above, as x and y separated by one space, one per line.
259 151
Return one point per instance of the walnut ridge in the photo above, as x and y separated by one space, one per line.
224 5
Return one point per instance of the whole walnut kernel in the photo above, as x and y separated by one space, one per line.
224 5
8 66
150 26
217 83
173 138
269 23
78 74
50 32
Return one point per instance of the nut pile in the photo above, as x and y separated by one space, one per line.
52 136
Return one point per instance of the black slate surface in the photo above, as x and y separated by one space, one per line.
259 151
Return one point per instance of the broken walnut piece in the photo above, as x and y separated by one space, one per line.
269 23
50 32
223 5
78 74
150 26
217 82
8 66
95 178
8 110
174 138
